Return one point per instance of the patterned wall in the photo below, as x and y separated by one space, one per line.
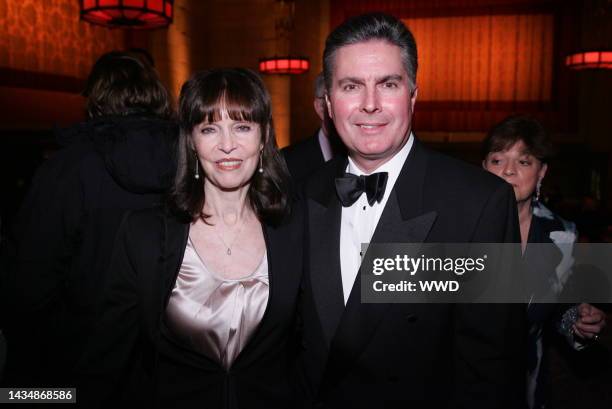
47 36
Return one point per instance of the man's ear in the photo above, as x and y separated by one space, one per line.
413 97
320 107
328 104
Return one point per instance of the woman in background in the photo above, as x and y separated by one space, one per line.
517 150
120 159
202 300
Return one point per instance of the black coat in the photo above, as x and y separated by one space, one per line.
129 359
411 355
303 158
64 234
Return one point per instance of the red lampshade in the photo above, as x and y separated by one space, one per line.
589 59
141 14
284 65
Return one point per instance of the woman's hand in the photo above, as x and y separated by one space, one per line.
591 321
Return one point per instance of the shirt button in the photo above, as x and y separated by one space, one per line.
363 207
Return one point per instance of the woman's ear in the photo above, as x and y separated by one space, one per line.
189 137
266 137
542 172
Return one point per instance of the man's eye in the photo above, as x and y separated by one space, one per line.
349 87
494 161
525 162
390 85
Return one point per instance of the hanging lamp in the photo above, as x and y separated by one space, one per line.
141 14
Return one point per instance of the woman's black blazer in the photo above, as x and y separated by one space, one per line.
129 360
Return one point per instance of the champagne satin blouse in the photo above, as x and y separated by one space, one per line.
213 315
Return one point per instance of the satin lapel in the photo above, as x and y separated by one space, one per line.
325 277
324 214
402 221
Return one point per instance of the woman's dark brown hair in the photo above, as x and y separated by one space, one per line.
121 83
242 95
519 128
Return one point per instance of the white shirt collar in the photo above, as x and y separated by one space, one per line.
325 145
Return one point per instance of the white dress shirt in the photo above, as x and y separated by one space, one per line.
359 220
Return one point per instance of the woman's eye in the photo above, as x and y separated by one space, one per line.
244 128
494 161
207 130
525 162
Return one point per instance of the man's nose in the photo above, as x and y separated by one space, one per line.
371 101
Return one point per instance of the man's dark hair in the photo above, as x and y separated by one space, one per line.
121 83
519 128
368 27
242 95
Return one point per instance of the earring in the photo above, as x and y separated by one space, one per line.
197 169
261 162
538 187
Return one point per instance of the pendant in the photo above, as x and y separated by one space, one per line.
229 251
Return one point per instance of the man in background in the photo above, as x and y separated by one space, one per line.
306 156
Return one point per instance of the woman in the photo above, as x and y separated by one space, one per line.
120 159
203 294
517 150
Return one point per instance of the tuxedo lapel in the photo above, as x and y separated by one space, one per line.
324 216
403 221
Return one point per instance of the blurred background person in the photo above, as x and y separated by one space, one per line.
120 159
306 156
215 276
517 149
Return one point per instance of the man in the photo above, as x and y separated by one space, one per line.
358 355
305 157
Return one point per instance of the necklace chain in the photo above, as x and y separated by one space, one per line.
229 248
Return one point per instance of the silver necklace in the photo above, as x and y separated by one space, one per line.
228 248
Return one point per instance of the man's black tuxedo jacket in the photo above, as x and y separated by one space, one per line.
410 355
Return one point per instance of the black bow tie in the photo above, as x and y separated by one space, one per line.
350 187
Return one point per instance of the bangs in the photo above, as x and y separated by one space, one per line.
235 95
236 107
519 128
501 144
